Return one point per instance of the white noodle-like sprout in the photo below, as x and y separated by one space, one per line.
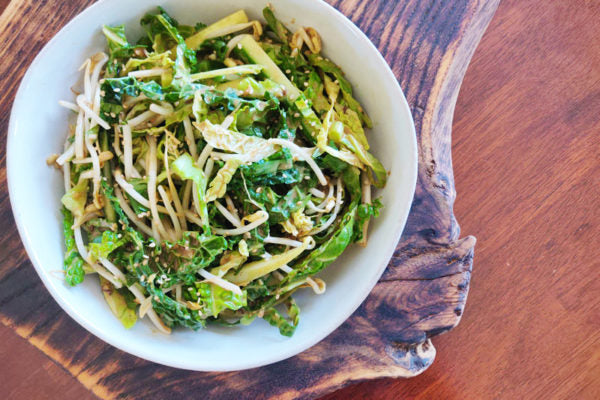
66 168
230 217
67 176
100 59
170 210
128 187
335 212
311 208
204 155
145 306
96 177
227 121
264 216
231 208
131 214
208 168
366 199
85 218
283 241
327 204
140 119
232 43
67 155
250 199
96 104
147 73
187 194
102 157
79 146
173 190
79 243
193 218
87 174
69 105
301 154
106 275
195 198
178 294
87 84
130 171
316 192
151 170
113 269
151 313
220 282
286 268
82 103
318 285
189 137
84 254
130 101
162 110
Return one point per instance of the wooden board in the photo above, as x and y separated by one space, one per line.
422 293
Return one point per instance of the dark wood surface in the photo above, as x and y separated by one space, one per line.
525 158
422 292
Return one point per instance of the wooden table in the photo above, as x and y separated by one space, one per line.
525 153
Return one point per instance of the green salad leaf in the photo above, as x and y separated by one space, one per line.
233 167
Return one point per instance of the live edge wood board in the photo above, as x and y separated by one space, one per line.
422 293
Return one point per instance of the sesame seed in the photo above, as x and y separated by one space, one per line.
296 115
287 71
102 93
117 90
113 115
305 84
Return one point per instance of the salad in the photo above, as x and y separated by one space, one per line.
212 171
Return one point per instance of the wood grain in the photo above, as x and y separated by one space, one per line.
526 158
422 293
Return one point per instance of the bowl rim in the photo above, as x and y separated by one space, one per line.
102 334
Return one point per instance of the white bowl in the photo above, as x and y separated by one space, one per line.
38 127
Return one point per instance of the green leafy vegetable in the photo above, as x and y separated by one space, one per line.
73 265
118 304
233 169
